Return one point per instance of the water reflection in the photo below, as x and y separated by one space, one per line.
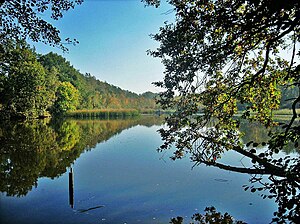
121 180
256 132
44 148
71 188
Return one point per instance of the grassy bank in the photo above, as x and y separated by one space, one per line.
122 113
107 113
156 111
285 112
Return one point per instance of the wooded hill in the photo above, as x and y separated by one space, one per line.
96 94
34 85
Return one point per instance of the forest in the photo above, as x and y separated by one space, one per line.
35 86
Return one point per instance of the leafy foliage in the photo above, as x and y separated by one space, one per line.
67 98
27 89
221 54
21 19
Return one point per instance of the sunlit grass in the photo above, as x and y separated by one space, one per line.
285 112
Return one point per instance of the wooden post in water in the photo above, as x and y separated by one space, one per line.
71 189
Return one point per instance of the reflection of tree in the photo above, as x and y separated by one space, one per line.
25 150
95 131
253 132
256 132
31 150
37 148
211 216
67 135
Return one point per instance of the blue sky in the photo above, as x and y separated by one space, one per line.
114 38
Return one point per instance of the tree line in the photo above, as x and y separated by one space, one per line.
34 85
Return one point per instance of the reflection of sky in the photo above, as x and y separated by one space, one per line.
127 176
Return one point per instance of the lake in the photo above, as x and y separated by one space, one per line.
117 175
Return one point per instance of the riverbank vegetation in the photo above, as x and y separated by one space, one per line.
35 86
285 111
106 113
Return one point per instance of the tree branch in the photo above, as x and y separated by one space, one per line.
294 115
241 169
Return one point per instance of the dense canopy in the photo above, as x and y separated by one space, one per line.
225 55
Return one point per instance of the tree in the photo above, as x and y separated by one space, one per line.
67 98
218 54
27 91
24 18
94 93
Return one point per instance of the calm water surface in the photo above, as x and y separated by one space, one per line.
117 176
